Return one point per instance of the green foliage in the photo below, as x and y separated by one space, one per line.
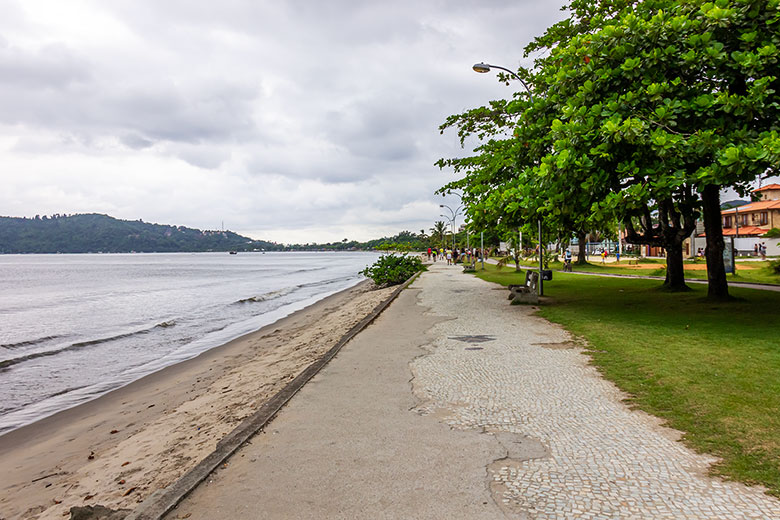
393 269
438 234
774 266
638 108
772 233
92 233
101 233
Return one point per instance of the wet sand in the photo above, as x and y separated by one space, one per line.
118 449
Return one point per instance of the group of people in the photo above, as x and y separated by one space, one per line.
758 250
453 256
605 253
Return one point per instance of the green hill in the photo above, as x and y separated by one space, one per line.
101 233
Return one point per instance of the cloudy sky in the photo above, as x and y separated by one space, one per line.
292 121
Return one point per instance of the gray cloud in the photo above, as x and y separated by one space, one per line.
283 118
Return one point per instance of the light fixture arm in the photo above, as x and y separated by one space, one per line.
485 67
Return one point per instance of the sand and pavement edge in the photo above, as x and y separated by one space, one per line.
164 500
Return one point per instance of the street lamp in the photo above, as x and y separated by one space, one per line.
452 219
483 68
466 225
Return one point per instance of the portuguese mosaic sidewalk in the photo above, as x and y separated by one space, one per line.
454 404
599 459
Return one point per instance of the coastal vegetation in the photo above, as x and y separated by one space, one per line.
392 269
93 233
96 233
707 369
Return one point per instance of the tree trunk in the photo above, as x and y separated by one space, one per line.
582 257
675 272
717 285
675 223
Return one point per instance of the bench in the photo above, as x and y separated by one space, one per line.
633 261
526 293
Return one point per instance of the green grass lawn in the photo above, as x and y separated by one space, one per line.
749 272
711 370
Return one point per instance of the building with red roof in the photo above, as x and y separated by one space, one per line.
756 218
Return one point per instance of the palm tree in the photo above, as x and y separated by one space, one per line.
438 233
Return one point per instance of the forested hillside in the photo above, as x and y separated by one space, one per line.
101 233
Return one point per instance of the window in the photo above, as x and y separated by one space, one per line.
763 221
727 221
743 220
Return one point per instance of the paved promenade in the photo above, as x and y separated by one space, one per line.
454 404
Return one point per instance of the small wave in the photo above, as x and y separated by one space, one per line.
329 281
81 344
29 342
66 391
267 296
308 270
5 411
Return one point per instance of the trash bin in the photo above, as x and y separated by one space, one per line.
546 275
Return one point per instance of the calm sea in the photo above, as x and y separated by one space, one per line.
73 327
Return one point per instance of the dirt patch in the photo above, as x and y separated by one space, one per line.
566 345
688 267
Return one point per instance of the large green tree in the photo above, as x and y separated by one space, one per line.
667 102
644 111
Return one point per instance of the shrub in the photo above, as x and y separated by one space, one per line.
772 233
393 269
775 266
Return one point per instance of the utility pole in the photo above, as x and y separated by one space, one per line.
482 248
541 283
520 242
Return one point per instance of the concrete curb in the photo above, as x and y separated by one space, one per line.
162 501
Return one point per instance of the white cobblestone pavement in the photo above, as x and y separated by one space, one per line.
498 368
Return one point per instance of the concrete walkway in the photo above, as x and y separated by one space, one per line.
454 404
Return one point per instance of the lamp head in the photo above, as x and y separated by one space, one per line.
481 67
441 205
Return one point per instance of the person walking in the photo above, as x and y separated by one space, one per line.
449 257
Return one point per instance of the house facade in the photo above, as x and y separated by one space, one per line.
746 224
756 218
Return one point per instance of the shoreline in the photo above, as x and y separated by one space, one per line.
119 448
290 309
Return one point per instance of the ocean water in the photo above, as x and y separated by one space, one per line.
73 327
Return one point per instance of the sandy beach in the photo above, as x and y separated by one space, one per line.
120 448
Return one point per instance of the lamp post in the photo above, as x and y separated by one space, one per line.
483 68
468 244
482 249
454 214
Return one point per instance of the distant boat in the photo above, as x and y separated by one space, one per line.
233 252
